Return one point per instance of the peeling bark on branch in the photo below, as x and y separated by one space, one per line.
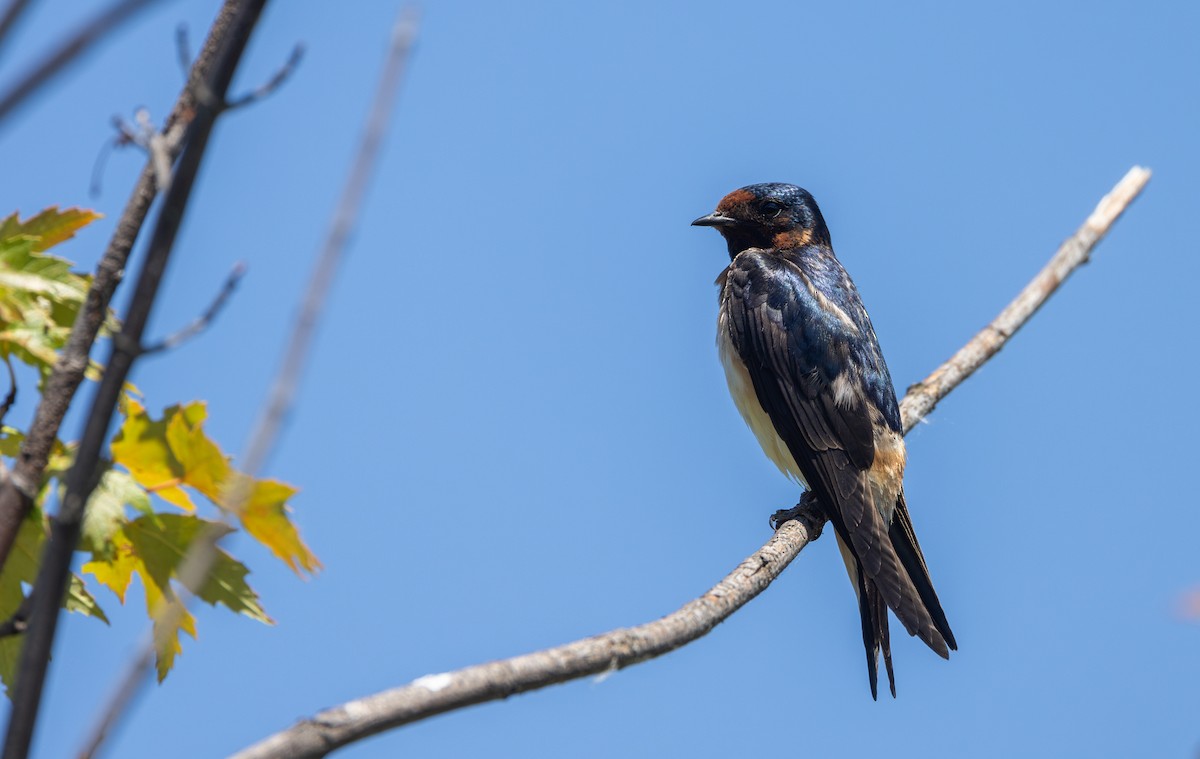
439 693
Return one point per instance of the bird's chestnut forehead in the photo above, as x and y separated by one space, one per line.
735 199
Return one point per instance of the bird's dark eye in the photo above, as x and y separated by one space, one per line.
770 209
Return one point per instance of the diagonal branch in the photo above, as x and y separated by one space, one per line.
83 39
55 569
435 694
922 397
18 490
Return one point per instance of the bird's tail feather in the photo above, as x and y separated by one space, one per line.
908 550
874 613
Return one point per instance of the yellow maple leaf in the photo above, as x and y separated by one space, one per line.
264 515
170 617
141 446
168 454
117 572
205 467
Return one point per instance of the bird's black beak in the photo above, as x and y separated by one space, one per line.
715 219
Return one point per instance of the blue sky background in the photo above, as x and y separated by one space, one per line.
515 431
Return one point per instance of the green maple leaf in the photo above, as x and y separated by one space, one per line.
20 570
22 564
23 269
153 547
161 540
105 513
40 296
35 339
40 299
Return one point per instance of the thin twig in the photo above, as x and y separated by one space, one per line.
121 139
142 132
346 215
18 490
204 320
70 50
183 50
143 135
264 90
155 144
435 694
202 553
55 569
269 87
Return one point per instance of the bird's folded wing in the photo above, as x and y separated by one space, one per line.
800 352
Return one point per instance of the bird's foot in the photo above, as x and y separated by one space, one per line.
808 512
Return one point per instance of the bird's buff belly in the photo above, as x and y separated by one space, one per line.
742 389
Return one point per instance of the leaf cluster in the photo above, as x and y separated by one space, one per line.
143 515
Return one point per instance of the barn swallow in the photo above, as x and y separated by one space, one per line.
806 372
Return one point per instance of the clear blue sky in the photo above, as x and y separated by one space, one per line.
516 432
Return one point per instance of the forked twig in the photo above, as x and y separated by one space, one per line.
204 320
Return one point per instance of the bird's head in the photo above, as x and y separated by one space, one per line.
770 215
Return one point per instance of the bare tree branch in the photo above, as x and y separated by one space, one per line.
344 219
55 569
922 397
202 553
204 320
435 694
18 490
268 88
127 134
83 39
265 89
